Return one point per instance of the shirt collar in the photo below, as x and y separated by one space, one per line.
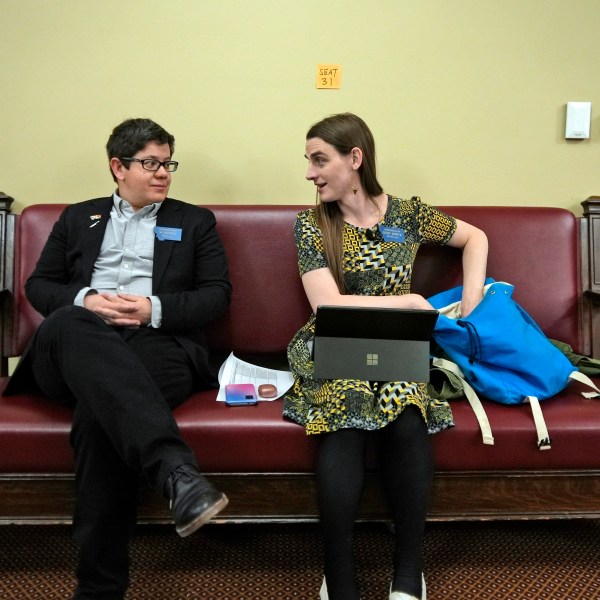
124 208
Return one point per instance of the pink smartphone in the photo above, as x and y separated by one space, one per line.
240 394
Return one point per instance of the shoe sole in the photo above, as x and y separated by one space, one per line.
203 518
403 596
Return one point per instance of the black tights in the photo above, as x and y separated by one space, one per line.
407 473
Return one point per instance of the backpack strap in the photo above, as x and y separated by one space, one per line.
474 401
579 376
544 442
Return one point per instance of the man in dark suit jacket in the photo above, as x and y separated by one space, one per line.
127 284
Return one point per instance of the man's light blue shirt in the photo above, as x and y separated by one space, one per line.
124 265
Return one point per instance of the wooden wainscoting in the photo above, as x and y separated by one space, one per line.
457 496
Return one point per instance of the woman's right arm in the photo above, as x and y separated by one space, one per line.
321 290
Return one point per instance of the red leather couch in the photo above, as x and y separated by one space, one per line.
265 463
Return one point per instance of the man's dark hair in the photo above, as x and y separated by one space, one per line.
132 135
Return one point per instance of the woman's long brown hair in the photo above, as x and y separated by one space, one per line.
343 131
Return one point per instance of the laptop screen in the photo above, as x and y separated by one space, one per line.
372 344
377 323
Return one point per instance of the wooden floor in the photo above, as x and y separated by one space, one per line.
550 560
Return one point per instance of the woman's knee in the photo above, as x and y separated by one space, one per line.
408 423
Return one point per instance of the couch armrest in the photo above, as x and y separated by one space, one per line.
6 276
590 275
593 296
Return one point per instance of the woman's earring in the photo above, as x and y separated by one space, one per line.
355 189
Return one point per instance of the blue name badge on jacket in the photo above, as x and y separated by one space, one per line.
172 234
392 234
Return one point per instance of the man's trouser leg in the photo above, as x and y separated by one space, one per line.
122 428
105 512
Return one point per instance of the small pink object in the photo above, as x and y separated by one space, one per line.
267 390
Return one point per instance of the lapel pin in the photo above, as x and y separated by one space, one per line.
95 218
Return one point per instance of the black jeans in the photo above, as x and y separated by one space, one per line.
123 385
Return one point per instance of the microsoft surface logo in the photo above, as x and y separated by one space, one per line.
372 360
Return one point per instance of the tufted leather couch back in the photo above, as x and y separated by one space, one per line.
534 248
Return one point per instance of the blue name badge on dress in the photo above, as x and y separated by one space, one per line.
392 234
168 233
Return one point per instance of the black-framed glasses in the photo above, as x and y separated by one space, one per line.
153 164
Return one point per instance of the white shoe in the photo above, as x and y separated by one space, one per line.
323 595
403 596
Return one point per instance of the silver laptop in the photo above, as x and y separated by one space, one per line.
373 344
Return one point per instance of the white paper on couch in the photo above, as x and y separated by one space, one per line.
234 370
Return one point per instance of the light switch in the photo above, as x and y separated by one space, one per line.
578 120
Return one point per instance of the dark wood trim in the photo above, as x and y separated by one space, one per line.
6 276
289 497
590 274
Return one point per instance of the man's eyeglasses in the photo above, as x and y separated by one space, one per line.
152 164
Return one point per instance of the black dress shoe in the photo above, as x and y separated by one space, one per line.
194 501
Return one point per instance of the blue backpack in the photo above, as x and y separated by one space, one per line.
500 352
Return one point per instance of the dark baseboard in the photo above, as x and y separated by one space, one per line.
457 496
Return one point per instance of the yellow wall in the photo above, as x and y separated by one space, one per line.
466 98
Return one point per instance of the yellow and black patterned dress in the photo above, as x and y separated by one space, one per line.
373 267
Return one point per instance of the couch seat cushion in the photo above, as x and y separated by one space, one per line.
34 436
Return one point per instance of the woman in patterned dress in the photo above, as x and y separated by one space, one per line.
357 248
